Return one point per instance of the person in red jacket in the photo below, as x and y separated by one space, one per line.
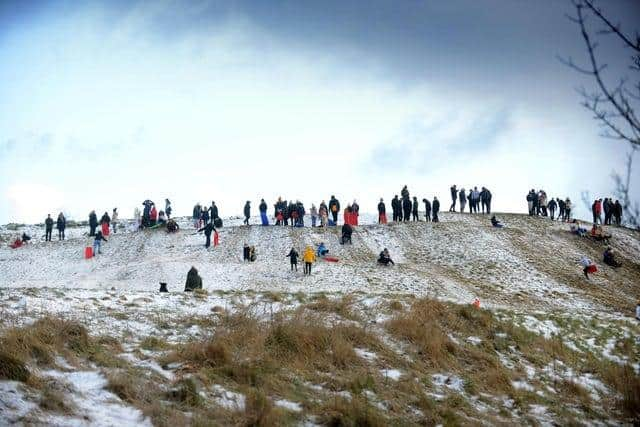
153 215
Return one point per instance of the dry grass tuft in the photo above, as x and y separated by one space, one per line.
354 412
12 369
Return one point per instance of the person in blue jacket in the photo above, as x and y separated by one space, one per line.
322 250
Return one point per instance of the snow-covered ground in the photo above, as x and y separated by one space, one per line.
531 262
527 273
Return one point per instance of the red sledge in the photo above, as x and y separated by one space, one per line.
88 252
330 259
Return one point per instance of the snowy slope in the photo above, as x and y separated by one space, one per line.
532 262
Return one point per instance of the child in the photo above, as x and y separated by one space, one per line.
309 257
293 255
96 243
385 258
495 222
589 266
322 250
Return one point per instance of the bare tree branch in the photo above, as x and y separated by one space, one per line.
613 29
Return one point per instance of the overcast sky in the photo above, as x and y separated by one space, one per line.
111 103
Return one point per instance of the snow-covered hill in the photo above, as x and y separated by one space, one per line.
531 263
93 342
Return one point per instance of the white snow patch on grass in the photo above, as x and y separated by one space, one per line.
228 399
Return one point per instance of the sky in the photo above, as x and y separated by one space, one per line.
106 104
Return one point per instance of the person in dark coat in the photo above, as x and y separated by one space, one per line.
404 193
293 257
204 216
561 208
194 281
263 212
485 199
435 208
396 208
617 212
334 208
382 212
213 211
406 209
61 224
552 205
427 209
454 197
93 223
610 259
246 252
247 212
48 228
414 209
208 229
385 258
347 231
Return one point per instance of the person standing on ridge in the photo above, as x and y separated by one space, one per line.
404 193
406 208
427 209
105 222
552 205
153 215
561 207
213 211
463 199
454 197
167 208
247 212
334 207
382 212
435 208
414 209
395 207
93 223
114 219
61 224
263 212
314 214
485 199
48 228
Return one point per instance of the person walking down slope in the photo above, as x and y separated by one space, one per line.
61 224
293 257
194 281
263 212
105 221
414 209
454 197
463 199
93 223
48 228
435 208
384 258
247 213
589 266
208 229
427 209
382 212
309 257
97 241
114 219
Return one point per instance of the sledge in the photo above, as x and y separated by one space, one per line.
88 252
330 259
